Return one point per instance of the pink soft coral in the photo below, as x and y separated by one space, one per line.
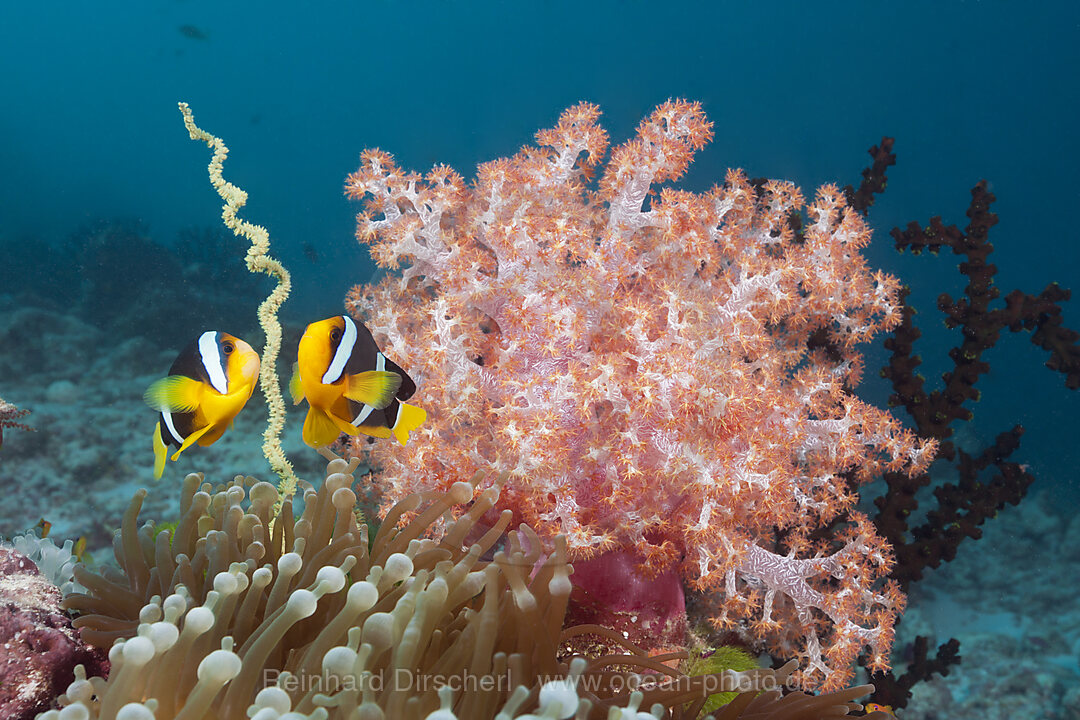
667 373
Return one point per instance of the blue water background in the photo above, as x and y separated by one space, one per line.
970 90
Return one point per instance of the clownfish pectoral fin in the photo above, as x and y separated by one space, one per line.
213 435
321 428
375 388
191 440
175 393
295 388
160 452
410 417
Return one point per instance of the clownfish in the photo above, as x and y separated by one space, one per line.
208 385
350 386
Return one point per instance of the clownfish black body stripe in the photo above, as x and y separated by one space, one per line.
208 385
350 386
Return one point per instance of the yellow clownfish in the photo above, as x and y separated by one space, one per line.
350 386
208 385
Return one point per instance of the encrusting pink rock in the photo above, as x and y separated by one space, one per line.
39 648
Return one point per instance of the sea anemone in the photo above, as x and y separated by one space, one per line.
243 610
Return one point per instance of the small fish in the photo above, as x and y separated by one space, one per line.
208 385
877 707
350 386
192 32
8 414
44 526
80 548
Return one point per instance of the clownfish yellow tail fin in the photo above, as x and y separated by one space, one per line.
375 388
160 451
410 417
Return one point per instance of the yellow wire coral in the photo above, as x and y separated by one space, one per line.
257 261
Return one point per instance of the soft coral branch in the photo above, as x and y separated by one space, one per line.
650 367
9 415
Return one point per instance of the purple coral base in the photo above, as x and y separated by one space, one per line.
39 648
611 591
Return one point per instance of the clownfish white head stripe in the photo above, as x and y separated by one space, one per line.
342 353
211 360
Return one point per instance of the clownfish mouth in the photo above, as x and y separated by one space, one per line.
250 368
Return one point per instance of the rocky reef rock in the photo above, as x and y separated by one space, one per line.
39 648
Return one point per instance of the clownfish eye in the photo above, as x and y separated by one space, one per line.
227 348
335 335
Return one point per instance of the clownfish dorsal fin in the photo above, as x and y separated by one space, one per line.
375 388
295 388
175 393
